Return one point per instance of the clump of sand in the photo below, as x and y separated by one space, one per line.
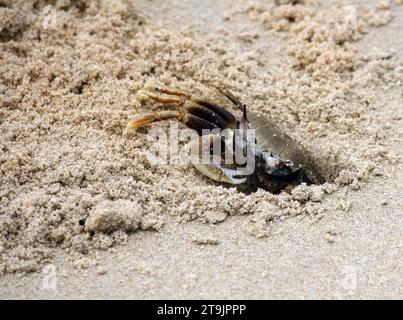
72 175
321 41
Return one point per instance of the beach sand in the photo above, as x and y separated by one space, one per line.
85 214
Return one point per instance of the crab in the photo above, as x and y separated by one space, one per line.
278 160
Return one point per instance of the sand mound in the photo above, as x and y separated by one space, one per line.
73 176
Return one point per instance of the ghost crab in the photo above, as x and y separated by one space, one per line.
278 159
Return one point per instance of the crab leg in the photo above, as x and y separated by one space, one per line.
232 98
167 91
188 119
196 106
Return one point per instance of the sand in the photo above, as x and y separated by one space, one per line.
80 202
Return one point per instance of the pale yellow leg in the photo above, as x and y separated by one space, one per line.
163 95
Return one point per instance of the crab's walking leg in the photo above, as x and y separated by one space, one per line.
164 96
167 91
233 99
188 119
196 106
213 169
